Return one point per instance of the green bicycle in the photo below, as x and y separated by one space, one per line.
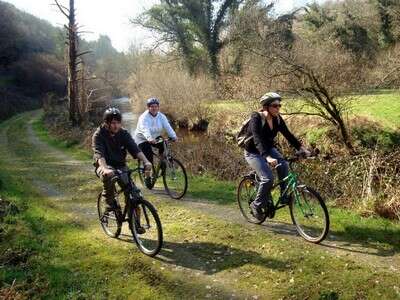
307 208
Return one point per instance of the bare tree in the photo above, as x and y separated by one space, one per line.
319 75
73 61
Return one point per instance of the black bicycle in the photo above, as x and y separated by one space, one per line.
169 168
307 208
141 216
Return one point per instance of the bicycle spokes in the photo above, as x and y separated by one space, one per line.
175 179
108 218
146 228
309 214
246 193
304 203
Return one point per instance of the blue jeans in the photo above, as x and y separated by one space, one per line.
263 170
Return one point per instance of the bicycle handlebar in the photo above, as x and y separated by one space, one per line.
161 140
119 172
298 155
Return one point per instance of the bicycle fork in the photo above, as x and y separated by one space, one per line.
304 206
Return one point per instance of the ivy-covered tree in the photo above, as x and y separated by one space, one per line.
194 27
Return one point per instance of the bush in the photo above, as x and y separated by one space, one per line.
183 98
373 135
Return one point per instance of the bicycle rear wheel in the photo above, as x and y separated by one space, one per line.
309 214
146 216
246 193
108 219
175 178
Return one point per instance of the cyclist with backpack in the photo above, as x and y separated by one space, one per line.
257 138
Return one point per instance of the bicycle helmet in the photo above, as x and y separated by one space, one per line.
270 97
112 113
152 101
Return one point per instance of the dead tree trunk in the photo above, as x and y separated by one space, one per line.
72 66
73 60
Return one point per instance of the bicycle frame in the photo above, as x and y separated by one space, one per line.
131 194
291 181
292 187
167 154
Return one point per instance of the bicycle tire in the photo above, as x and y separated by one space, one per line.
104 220
244 203
139 239
302 229
168 189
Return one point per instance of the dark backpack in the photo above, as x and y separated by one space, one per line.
243 137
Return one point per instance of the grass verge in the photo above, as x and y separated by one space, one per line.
66 256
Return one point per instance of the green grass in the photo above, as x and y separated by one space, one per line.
69 147
66 256
60 256
346 225
210 188
381 106
384 108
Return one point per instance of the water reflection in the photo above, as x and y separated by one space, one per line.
129 118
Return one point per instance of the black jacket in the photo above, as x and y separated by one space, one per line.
113 148
263 136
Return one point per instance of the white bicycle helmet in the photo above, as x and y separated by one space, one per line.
269 97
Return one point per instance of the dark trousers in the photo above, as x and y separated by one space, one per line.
147 149
109 185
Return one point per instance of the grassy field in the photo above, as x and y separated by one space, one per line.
381 106
56 250
206 187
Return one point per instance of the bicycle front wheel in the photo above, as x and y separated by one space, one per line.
146 229
175 178
108 218
309 214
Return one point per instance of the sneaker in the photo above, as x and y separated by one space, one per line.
270 209
256 212
285 199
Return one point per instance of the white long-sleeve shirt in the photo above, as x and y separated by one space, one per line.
150 127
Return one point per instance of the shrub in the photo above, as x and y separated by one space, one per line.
183 98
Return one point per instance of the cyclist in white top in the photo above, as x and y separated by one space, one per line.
150 126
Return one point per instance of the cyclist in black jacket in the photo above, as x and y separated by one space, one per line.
260 151
110 144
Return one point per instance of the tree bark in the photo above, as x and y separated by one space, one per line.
72 66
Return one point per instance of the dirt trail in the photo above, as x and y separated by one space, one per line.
365 253
87 213
360 253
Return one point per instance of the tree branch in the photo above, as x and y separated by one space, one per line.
62 9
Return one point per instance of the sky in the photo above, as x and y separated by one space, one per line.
112 17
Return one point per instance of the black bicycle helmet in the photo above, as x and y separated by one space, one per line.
112 113
152 101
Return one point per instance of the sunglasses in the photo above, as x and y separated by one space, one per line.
276 105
